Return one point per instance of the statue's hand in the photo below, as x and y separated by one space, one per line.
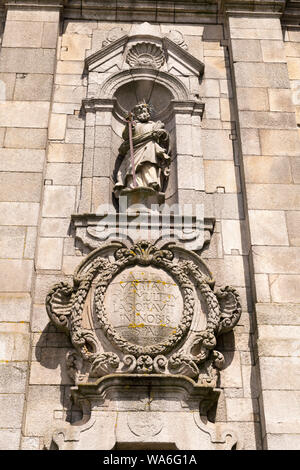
158 134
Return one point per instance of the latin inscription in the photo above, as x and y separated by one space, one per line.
144 305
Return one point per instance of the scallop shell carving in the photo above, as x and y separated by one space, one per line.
145 54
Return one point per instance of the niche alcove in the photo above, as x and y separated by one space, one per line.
131 68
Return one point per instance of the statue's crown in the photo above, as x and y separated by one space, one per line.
143 104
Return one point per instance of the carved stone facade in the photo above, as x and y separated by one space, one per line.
149 221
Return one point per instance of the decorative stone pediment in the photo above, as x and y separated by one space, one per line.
145 48
143 309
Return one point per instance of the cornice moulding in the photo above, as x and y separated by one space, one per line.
41 5
253 7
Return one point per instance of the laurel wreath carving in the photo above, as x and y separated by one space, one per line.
65 308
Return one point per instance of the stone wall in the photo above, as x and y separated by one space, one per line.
263 73
26 73
247 182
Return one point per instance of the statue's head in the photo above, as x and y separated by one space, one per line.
142 112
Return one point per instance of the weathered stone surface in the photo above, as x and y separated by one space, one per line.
65 153
280 100
265 120
22 187
292 49
42 400
7 83
40 319
241 409
74 46
54 227
260 75
293 223
64 173
70 263
14 307
101 162
101 190
75 122
13 377
50 253
280 340
12 241
69 94
285 288
23 34
215 67
59 201
126 309
16 275
19 213
281 409
30 443
225 109
273 196
273 51
24 114
260 169
293 68
249 22
212 111
75 136
51 368
29 249
262 288
231 374
50 35
33 87
295 168
283 441
234 236
14 342
268 228
250 141
216 144
220 174
30 14
211 88
21 160
22 60
247 100
25 138
70 67
10 439
280 260
57 127
237 33
278 314
186 180
244 50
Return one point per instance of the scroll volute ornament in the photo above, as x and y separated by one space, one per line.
180 349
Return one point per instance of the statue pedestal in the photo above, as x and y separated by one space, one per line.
95 230
141 199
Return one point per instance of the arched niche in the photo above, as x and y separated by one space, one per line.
161 96
113 93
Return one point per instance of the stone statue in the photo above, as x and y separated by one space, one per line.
146 164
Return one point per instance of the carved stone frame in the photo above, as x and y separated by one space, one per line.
193 355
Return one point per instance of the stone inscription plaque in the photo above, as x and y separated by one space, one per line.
144 305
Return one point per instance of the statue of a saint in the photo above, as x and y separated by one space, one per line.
145 151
